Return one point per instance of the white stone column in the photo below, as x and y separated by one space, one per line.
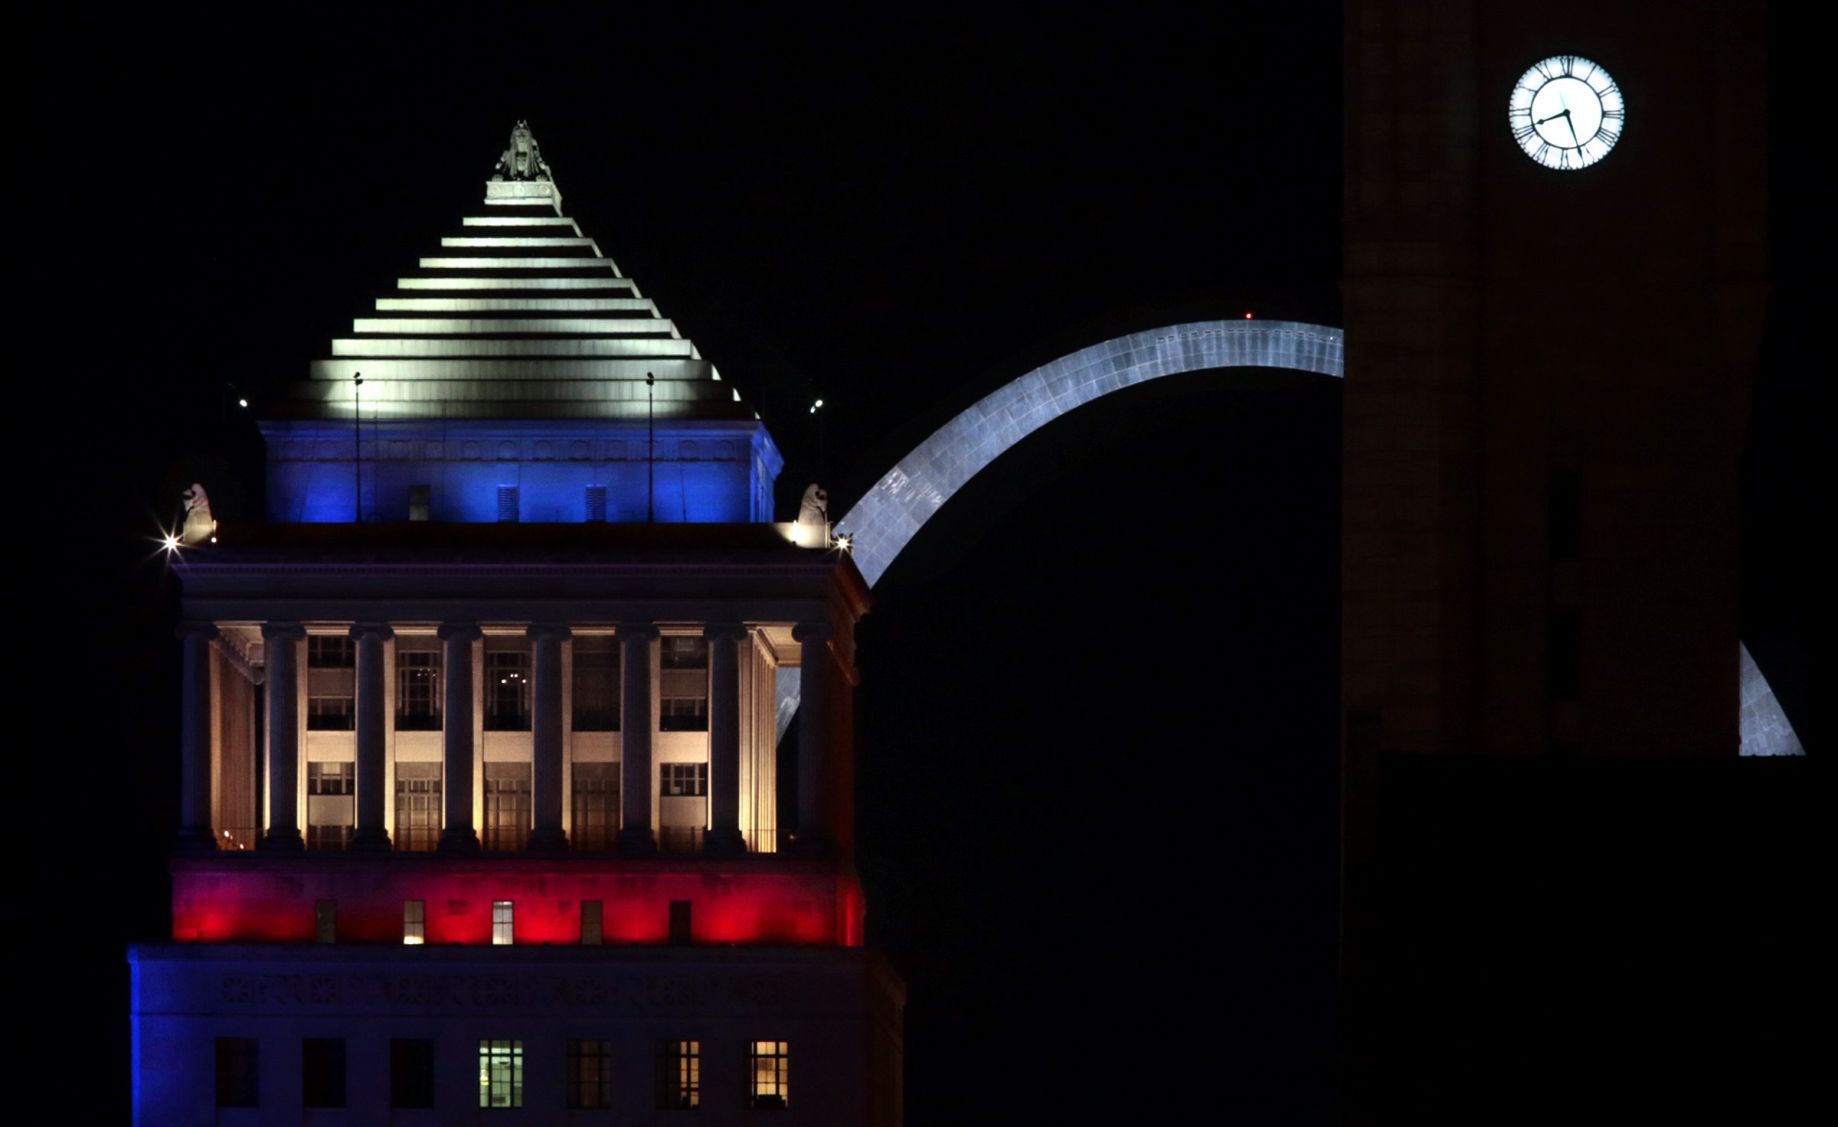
724 835
457 834
546 737
812 832
372 736
195 832
281 681
635 785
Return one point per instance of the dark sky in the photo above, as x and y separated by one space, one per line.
1098 727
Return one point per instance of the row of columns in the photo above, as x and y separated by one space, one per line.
281 646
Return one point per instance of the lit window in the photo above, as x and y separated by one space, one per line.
418 690
590 1074
682 714
322 1071
417 806
682 780
325 921
507 690
679 1074
500 1073
591 926
411 1073
770 1069
414 922
236 1072
501 927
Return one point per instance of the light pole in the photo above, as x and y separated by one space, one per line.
650 450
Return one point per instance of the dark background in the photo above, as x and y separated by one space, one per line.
1098 727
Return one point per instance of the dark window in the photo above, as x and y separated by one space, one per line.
322 1071
507 502
330 779
236 1087
682 714
596 805
1565 519
590 1074
507 690
596 502
769 1080
325 921
417 806
1564 663
330 651
679 921
596 683
330 714
500 1073
682 780
679 1074
507 805
411 1073
417 510
591 932
683 652
418 690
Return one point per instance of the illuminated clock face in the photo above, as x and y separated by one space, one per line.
1566 112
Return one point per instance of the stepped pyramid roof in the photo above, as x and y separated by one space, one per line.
518 315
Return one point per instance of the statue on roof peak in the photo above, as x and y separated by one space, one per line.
523 160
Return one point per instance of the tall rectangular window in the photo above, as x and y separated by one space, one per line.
417 806
596 683
507 690
236 1072
507 806
325 921
418 502
596 805
322 1071
596 502
503 930
590 1074
681 922
411 1073
591 923
1563 662
507 503
679 1074
769 1074
414 922
682 780
329 804
500 1073
417 690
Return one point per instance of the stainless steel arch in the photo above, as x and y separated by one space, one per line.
886 519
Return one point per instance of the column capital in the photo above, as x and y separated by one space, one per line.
459 632
361 630
283 632
194 628
645 630
726 631
813 632
544 631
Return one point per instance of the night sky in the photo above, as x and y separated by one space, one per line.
1097 731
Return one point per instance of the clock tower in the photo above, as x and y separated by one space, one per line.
1554 285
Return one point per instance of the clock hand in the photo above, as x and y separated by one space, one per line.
1553 117
1572 126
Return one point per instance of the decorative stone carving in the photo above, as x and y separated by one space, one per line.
523 159
199 526
815 508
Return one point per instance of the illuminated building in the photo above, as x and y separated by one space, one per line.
480 796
